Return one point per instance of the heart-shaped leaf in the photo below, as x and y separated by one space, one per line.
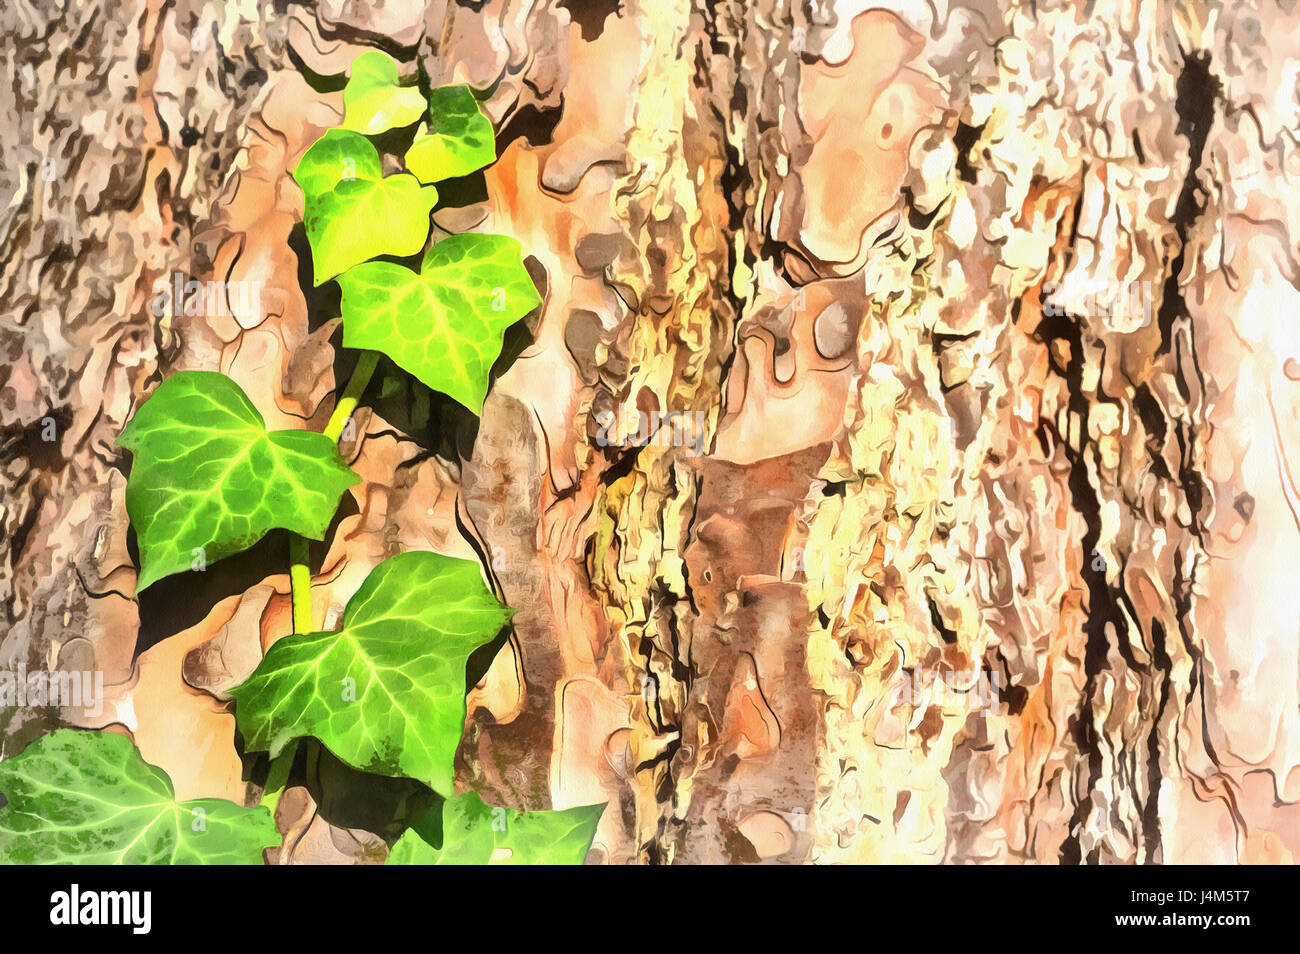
88 798
445 324
208 480
373 101
352 212
387 692
476 834
460 141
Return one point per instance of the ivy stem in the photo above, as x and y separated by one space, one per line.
300 582
366 365
299 558
277 777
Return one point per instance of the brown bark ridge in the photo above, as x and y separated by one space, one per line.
900 468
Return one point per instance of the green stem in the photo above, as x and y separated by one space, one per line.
299 558
300 582
277 777
366 365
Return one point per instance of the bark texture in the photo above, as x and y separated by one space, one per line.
968 327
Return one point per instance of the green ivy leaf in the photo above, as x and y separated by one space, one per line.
88 798
386 694
352 213
373 101
461 140
334 157
472 832
208 480
445 324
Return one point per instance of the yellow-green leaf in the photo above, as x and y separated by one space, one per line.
459 142
445 324
373 100
476 834
352 212
386 694
208 479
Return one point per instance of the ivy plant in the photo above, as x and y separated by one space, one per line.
89 798
209 480
385 693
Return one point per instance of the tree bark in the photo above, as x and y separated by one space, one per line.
962 521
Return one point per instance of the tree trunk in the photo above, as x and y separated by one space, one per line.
898 470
